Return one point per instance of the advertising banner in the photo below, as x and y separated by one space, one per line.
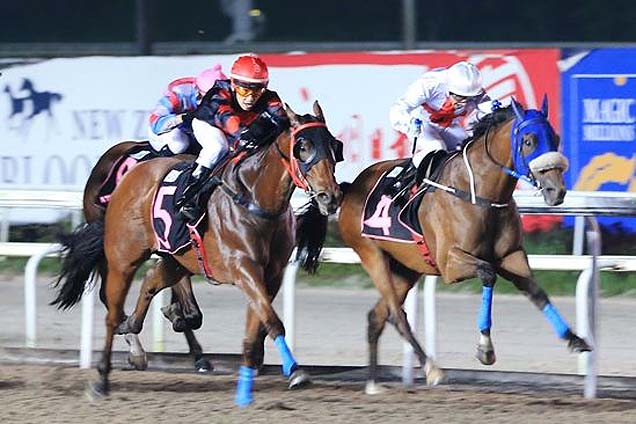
599 122
60 115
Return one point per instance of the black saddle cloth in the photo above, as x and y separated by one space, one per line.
169 225
384 219
398 221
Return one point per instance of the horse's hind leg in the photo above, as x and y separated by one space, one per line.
184 312
117 284
164 273
515 268
393 287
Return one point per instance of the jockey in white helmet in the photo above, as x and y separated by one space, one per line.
433 108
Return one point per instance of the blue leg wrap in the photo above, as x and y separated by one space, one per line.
289 363
244 387
558 323
484 320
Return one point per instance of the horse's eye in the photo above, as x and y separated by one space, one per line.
529 140
302 149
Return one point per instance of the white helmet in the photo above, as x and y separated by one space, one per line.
464 79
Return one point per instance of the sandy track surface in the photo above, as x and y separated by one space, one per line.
45 394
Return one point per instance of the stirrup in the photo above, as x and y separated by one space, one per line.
192 209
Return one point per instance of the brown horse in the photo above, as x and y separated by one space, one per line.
183 310
249 237
470 224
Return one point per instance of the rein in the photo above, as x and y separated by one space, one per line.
245 200
513 173
472 196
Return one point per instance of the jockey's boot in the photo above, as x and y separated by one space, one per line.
403 179
189 203
165 152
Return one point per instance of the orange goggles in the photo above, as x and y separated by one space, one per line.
249 91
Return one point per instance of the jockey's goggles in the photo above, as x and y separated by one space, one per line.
463 99
248 89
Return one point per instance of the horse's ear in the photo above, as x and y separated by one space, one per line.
293 118
318 111
518 109
544 106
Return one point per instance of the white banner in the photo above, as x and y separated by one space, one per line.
58 116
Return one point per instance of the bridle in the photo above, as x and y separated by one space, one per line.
294 166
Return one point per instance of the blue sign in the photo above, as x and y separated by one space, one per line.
599 123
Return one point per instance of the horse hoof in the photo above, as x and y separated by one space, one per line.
434 374
373 388
299 379
95 391
179 325
138 362
578 345
486 357
202 365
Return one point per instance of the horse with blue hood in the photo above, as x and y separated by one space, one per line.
463 224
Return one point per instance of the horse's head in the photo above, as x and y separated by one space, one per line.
314 154
535 152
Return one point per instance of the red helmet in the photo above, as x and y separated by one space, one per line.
250 69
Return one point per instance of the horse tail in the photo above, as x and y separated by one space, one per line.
83 249
311 231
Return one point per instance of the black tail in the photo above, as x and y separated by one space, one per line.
82 250
311 230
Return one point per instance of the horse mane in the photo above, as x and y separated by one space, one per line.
485 123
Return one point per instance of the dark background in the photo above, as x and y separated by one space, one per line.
323 20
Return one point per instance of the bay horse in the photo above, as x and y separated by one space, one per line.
183 310
470 224
248 239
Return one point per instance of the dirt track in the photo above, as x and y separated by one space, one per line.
524 342
35 394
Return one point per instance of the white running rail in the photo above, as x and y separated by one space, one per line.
588 204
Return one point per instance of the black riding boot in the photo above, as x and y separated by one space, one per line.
189 203
403 179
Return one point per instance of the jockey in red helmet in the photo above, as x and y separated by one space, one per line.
228 117
166 130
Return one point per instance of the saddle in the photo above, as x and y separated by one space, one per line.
134 156
410 179
140 152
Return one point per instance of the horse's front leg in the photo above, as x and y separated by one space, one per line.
462 265
250 279
515 268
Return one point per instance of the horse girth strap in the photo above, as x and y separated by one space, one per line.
461 194
246 202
